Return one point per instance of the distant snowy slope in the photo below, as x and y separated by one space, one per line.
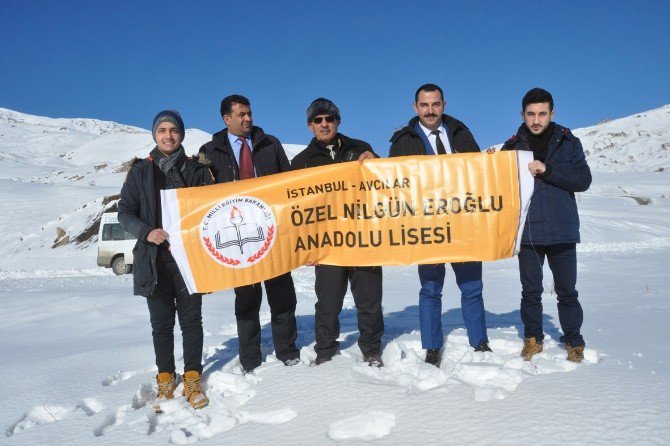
293 149
28 142
93 126
56 173
635 143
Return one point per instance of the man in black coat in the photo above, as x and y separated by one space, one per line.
238 152
552 224
433 133
328 147
155 272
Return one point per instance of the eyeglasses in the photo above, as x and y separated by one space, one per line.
319 120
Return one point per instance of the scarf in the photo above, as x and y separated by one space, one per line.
171 165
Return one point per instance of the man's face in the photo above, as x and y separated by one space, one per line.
429 107
168 138
239 121
324 131
537 117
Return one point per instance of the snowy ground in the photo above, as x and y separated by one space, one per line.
77 359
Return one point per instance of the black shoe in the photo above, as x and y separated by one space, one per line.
483 347
321 359
292 362
374 360
433 357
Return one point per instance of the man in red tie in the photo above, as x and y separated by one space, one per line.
238 152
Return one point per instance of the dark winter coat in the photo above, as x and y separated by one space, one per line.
407 141
552 217
138 215
267 153
315 154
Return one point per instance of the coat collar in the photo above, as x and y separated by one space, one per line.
560 132
450 123
221 142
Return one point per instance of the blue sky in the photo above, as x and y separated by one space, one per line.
124 61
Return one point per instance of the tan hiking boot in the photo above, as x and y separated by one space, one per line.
575 354
166 385
192 390
530 348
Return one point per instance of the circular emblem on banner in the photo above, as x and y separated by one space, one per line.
238 231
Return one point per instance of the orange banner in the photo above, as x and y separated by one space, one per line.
398 211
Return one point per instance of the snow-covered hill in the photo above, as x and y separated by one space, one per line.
635 143
69 171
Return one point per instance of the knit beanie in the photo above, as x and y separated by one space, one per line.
322 106
172 116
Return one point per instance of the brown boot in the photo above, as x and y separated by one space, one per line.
166 385
575 354
192 390
530 348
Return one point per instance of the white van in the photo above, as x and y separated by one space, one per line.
115 245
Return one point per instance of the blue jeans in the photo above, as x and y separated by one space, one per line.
563 264
469 280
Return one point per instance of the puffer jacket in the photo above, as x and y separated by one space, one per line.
552 217
138 215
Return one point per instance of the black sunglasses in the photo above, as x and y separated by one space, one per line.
329 119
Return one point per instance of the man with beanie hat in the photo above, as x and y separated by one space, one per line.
238 152
172 116
328 147
155 273
432 132
552 225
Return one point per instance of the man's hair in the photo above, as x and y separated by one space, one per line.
428 87
322 106
228 101
537 96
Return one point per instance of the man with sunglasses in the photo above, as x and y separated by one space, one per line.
433 133
328 147
239 152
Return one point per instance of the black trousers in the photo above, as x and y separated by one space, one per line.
331 286
563 264
169 297
282 301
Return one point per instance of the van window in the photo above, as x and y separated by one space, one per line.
114 231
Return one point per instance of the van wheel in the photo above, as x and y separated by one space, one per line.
120 267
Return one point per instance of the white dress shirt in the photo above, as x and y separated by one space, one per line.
432 138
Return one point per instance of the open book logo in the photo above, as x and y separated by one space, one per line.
238 231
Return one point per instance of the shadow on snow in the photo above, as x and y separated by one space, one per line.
395 325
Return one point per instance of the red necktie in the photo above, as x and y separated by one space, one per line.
246 163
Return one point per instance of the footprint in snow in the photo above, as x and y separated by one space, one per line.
121 376
112 421
51 413
368 426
